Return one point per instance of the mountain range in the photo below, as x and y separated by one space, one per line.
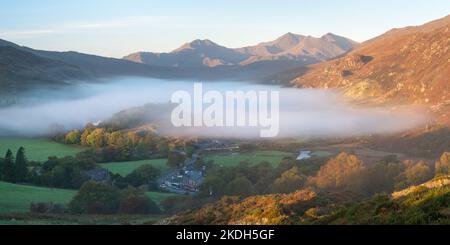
290 47
406 65
23 67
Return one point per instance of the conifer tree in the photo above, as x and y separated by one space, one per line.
20 167
8 167
2 168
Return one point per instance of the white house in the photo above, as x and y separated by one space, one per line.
304 155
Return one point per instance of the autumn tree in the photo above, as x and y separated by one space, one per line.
442 166
413 174
418 173
290 181
345 171
97 138
84 136
116 139
73 137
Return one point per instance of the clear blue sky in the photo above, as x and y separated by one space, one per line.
118 27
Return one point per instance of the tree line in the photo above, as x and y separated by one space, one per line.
110 145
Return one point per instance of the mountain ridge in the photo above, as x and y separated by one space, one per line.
88 67
290 46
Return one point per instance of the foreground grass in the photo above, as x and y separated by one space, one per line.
229 159
38 149
124 168
66 219
16 198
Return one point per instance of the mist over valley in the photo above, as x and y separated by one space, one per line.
303 112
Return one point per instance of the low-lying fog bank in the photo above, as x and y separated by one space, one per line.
303 112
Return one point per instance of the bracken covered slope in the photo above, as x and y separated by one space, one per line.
408 65
424 204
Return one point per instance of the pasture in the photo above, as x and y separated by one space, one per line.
233 159
16 198
124 168
38 149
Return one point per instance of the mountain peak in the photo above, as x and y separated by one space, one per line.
329 34
332 36
286 42
290 37
197 43
290 34
203 42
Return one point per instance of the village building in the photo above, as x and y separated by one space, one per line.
192 180
303 155
98 175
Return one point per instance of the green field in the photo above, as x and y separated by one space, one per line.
229 159
124 168
322 153
17 198
38 149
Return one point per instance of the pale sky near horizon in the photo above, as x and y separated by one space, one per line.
117 27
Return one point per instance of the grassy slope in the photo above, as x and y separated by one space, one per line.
273 157
426 204
38 149
124 168
17 198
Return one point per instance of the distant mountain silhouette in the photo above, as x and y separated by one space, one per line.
23 68
194 54
291 47
20 70
297 47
